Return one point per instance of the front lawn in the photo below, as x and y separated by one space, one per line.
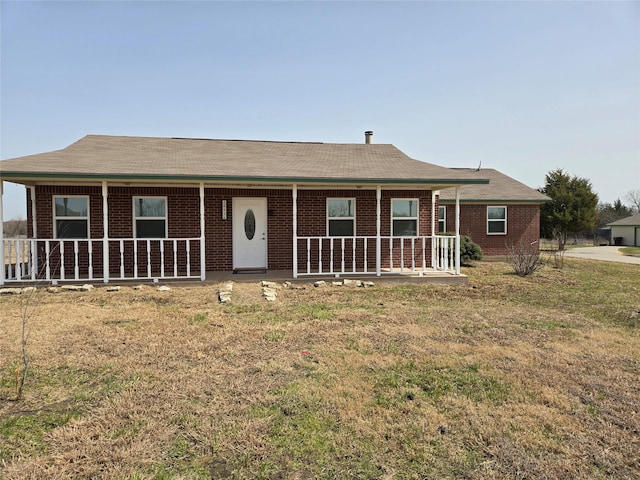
505 377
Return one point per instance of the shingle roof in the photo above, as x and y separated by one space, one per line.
501 189
104 156
633 220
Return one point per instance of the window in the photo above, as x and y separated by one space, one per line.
71 217
404 218
442 219
341 219
496 220
150 217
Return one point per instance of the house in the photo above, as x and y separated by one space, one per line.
496 216
626 231
111 208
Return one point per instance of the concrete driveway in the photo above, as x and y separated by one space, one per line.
607 254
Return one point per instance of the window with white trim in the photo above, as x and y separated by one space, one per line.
496 220
404 217
71 217
150 217
442 218
341 217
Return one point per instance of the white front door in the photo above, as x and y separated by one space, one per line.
249 233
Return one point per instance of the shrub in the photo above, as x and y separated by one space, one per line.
525 259
469 250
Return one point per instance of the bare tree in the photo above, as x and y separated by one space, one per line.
28 311
23 369
633 196
16 227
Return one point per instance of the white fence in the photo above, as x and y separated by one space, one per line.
52 260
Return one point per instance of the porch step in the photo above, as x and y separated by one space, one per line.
249 270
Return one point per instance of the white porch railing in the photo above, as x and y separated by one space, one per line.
19 255
52 260
358 255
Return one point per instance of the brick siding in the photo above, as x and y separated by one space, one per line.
523 225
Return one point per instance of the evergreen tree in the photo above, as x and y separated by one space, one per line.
572 209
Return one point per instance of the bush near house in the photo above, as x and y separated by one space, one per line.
469 250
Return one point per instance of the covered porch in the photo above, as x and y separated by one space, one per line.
108 259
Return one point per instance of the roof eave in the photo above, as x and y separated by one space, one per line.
34 176
494 200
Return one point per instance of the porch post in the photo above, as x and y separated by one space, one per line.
378 229
34 228
457 230
4 266
34 224
294 194
105 233
434 219
203 263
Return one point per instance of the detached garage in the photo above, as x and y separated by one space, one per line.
626 231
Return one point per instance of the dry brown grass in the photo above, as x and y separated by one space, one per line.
508 377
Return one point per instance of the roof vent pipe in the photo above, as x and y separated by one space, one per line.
367 136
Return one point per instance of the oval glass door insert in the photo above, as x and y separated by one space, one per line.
249 224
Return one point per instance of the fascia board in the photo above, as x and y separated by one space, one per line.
31 176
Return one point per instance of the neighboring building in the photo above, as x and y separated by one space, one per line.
113 208
626 231
497 215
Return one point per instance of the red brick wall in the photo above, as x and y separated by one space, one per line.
44 207
183 219
312 221
523 225
183 210
29 216
312 210
219 234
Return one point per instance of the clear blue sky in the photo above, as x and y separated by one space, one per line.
523 87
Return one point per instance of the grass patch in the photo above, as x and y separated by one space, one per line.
574 289
307 437
407 381
25 433
630 251
312 311
200 318
64 393
275 335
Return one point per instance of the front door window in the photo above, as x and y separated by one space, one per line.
249 224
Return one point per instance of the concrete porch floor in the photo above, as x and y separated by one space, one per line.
287 275
278 276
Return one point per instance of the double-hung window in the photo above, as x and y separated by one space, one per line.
71 217
442 219
150 217
496 220
341 217
404 217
